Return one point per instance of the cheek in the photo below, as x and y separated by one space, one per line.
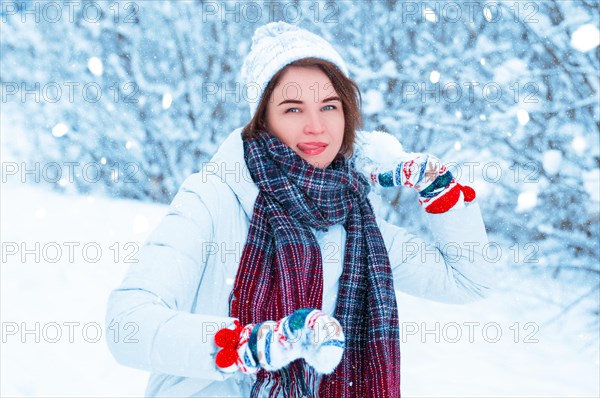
339 120
288 128
273 124
341 125
282 129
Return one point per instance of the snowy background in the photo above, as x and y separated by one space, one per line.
107 106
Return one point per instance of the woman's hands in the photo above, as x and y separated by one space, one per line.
380 157
306 333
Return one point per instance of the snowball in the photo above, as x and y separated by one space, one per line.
430 15
523 117
551 161
585 38
526 201
434 76
59 130
579 144
487 14
167 100
95 66
381 147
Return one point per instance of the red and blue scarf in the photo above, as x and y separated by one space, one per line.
281 271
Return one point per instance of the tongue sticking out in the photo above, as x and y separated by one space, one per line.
311 149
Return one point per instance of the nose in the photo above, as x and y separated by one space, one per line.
314 124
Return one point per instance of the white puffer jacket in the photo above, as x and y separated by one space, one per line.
174 299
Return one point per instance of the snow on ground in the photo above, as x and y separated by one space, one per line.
70 290
552 360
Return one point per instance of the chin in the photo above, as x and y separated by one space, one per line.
320 164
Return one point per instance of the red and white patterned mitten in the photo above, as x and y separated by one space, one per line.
306 333
381 158
234 353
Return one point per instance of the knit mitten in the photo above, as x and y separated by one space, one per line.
228 359
381 158
306 333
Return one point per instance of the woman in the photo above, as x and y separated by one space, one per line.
279 223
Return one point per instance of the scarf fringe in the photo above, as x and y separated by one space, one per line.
297 380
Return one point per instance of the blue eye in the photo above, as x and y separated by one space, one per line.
332 106
291 109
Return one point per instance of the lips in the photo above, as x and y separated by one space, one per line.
312 148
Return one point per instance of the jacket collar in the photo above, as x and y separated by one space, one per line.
229 164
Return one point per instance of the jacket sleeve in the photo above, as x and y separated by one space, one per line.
453 269
149 321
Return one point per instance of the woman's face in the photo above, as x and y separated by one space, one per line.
306 114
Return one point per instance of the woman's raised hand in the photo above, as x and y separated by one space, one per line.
381 158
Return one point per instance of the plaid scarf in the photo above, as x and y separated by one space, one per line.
281 271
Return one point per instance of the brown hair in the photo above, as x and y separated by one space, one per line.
346 88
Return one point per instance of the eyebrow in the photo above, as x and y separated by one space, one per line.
291 101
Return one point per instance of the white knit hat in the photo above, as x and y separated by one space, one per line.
276 45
